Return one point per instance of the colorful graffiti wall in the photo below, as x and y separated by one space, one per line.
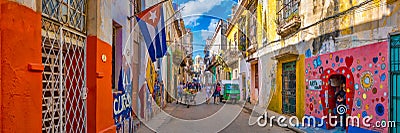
123 101
364 71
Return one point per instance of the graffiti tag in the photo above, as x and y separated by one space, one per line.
315 84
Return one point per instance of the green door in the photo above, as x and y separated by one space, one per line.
289 88
395 81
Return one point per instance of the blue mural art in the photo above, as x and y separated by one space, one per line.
308 53
317 62
123 101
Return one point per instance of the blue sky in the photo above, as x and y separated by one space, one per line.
201 16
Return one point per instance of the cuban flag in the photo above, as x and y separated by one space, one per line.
151 23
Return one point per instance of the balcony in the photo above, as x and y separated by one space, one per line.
252 48
231 55
288 18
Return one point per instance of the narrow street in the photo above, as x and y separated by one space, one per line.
119 66
224 118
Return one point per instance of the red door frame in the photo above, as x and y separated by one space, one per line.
330 104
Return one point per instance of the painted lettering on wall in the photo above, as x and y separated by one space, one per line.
122 102
314 84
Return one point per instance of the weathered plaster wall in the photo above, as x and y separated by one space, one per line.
269 17
244 69
21 87
99 87
267 79
125 71
259 23
100 99
35 5
99 21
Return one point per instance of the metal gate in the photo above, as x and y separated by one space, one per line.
289 88
395 81
64 58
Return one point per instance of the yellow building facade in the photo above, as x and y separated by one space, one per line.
296 34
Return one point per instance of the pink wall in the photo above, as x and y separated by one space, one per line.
370 94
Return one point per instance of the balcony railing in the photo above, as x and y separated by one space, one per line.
288 17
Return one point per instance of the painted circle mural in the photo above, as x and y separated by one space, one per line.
364 96
358 103
383 66
383 77
356 86
367 80
379 109
374 90
364 114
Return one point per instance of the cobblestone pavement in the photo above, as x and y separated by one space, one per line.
204 117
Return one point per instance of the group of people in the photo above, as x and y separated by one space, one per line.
189 85
214 91
158 91
211 91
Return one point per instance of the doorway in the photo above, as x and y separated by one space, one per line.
337 85
289 88
394 81
332 78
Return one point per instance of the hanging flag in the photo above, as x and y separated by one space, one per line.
151 23
151 76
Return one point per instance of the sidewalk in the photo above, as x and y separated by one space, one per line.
156 121
162 117
257 111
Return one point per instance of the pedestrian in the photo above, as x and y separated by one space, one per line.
180 91
189 85
217 94
208 93
199 86
340 96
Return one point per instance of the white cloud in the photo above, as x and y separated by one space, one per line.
213 24
197 7
211 29
206 33
191 21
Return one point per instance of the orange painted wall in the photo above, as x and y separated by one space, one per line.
21 89
100 99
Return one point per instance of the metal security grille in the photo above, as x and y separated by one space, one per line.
395 82
64 58
289 88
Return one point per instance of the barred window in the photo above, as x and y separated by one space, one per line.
64 57
69 12
288 8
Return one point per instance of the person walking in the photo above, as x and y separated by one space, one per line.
199 86
208 93
180 91
217 94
